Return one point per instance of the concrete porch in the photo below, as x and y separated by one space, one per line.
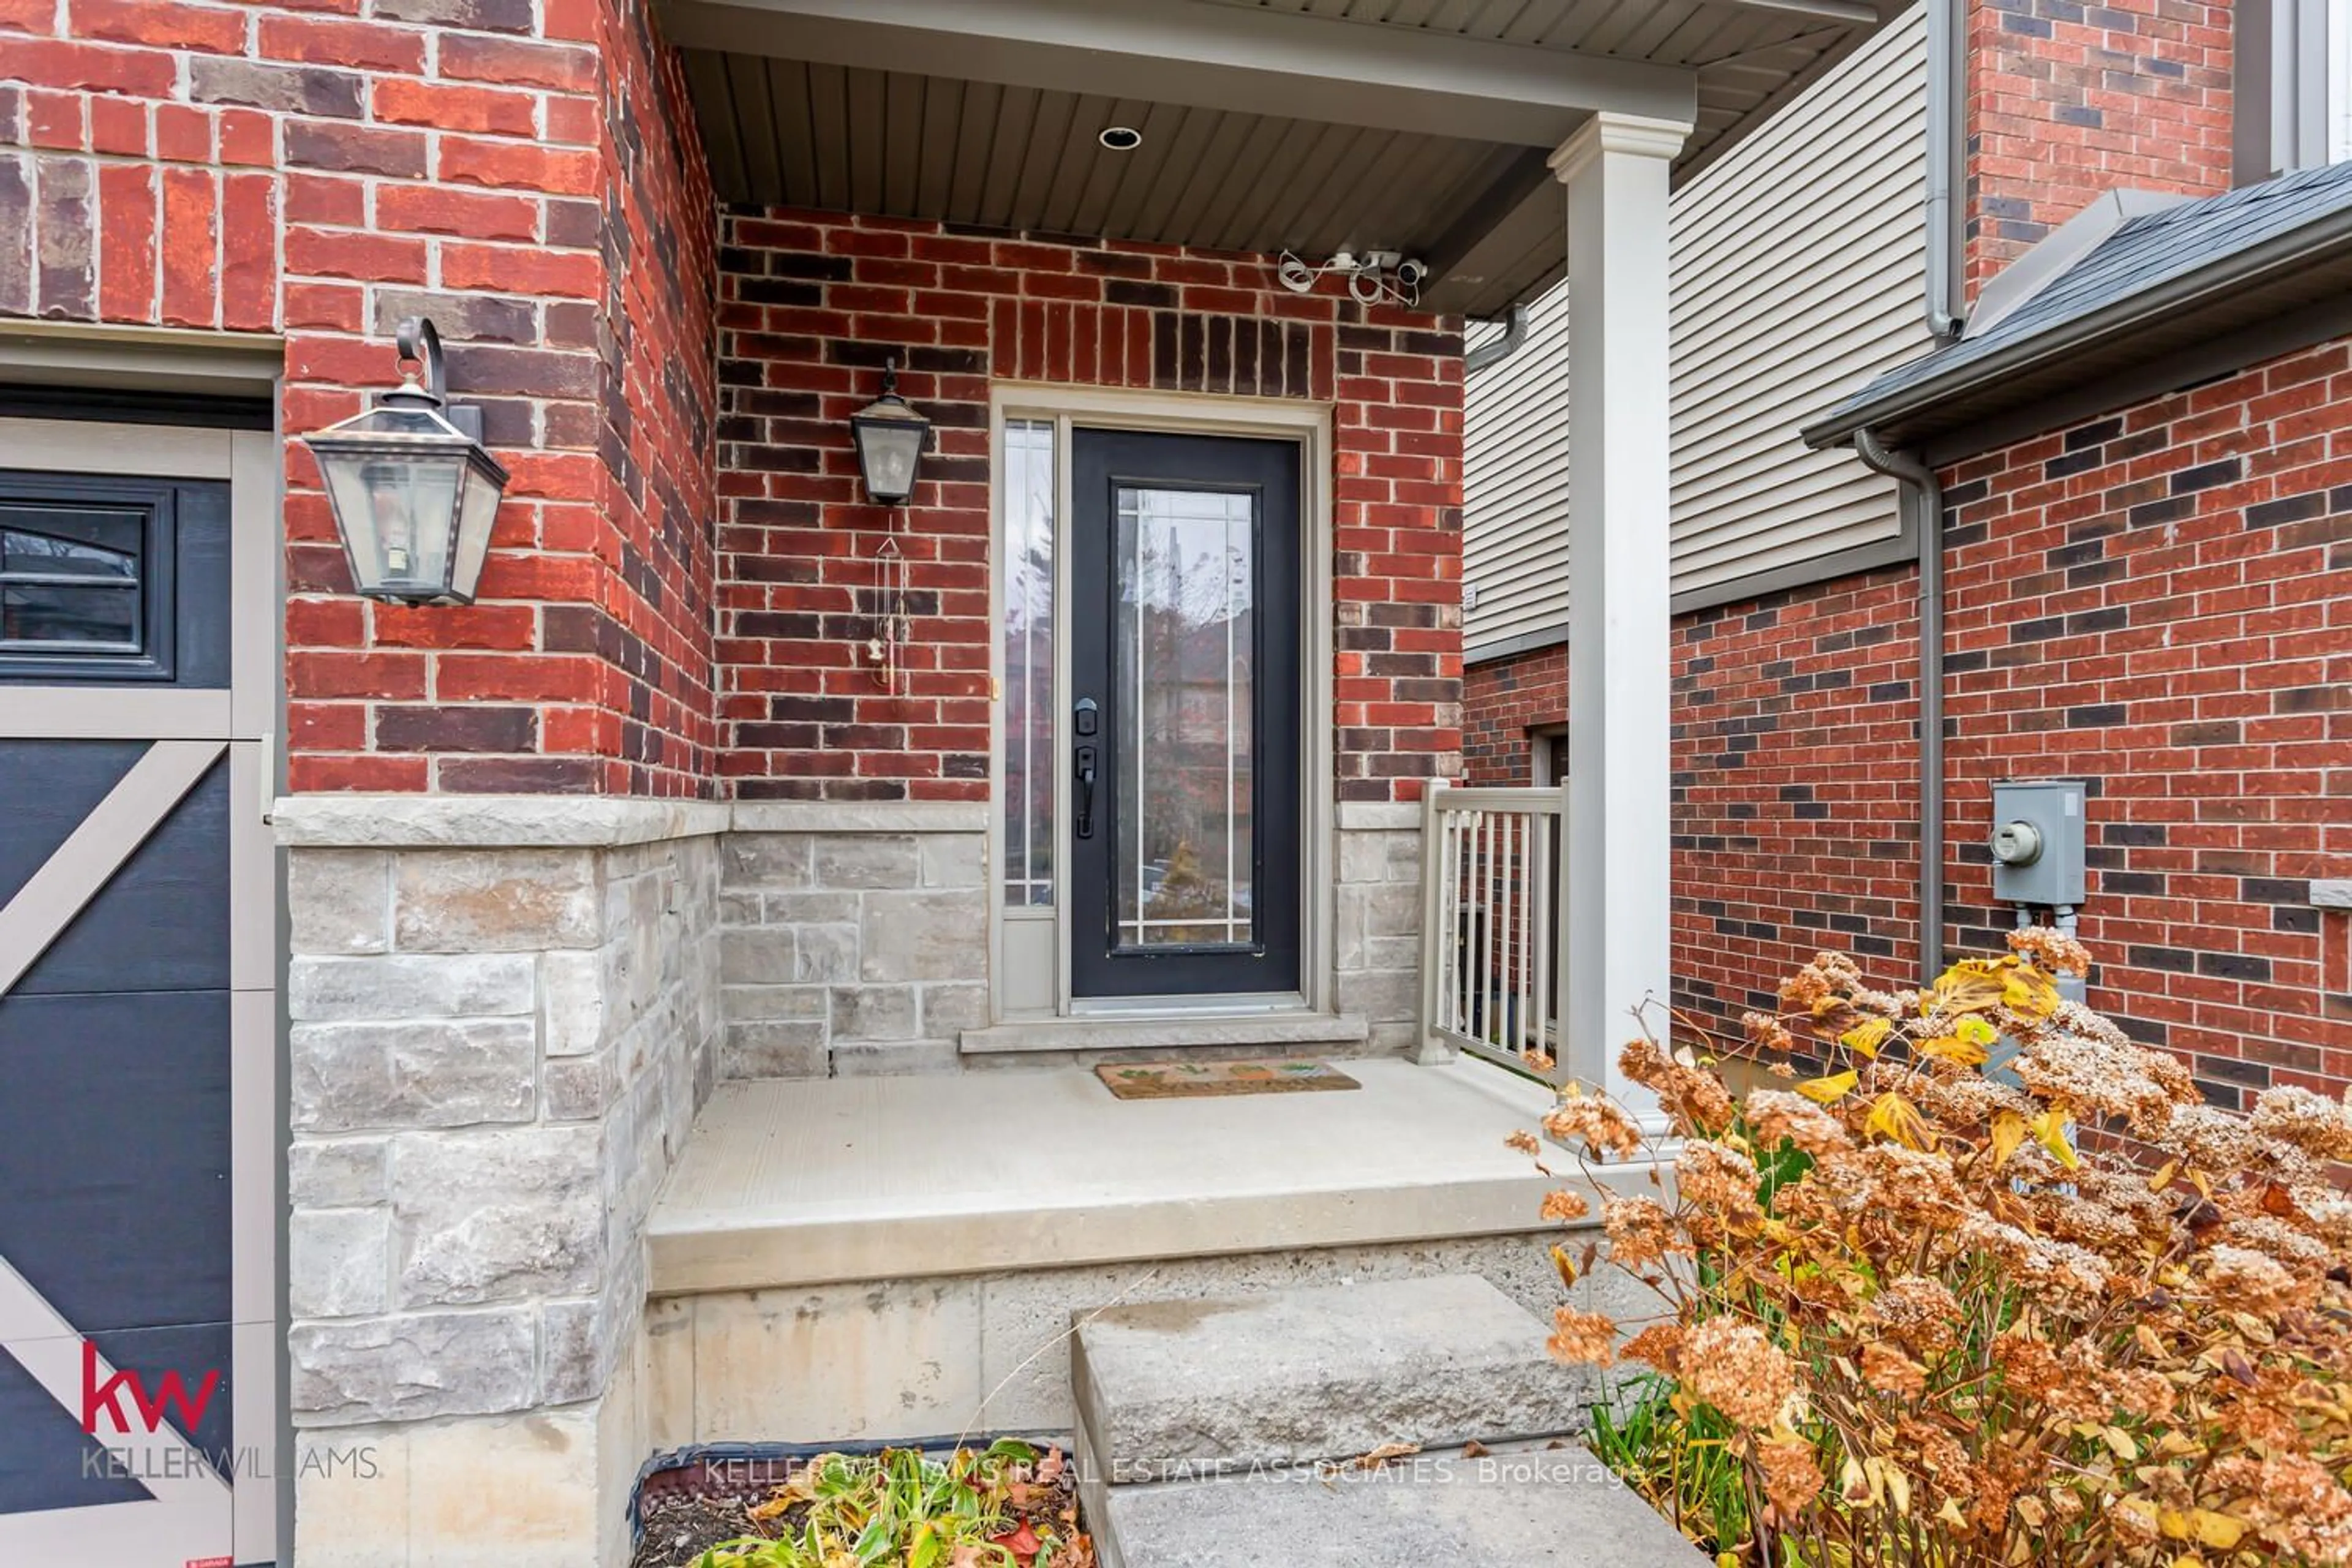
894 1257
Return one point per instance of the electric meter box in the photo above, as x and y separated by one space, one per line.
2037 841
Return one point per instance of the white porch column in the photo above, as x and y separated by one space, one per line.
1617 938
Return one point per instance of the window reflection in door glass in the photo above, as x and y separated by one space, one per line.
1183 659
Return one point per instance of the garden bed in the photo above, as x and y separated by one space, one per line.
933 1504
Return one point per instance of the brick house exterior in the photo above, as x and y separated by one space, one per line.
2154 598
644 821
814 303
519 891
516 171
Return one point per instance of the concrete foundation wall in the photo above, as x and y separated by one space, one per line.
989 1353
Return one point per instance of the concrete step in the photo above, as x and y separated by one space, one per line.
1554 1506
1184 1389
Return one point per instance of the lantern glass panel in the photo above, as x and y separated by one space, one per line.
888 450
398 510
477 513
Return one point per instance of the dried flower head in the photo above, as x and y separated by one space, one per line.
2113 1077
1659 1344
2241 1280
1642 1233
2320 1126
1886 1368
1780 1117
1918 1313
1601 1125
1582 1337
2048 948
1565 1207
1694 1098
1733 1365
1719 1181
1792 1477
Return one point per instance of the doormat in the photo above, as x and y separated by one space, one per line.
1206 1080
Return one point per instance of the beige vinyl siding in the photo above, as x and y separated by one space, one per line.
1515 483
1799 270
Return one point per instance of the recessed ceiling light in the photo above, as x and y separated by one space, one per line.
1120 138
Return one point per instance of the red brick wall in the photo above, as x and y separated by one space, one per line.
2161 601
302 170
2066 100
2158 601
814 303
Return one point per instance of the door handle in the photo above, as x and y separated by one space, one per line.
1086 718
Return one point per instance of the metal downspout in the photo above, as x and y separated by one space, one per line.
1494 351
1927 496
1946 92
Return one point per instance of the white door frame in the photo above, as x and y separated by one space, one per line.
1264 418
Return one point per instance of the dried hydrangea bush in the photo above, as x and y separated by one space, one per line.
1904 1321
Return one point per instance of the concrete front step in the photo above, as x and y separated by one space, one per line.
1188 1388
1552 1505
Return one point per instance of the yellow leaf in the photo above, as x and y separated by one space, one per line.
1831 1090
2215 1529
1897 1119
2007 1132
1867 1036
2162 1177
1953 1048
2050 1127
2173 1522
1950 1514
1565 1264
1976 1031
2026 991
2120 1441
1971 985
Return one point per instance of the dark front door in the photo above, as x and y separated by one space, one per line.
1184 721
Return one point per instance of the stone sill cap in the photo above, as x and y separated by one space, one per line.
2333 895
558 822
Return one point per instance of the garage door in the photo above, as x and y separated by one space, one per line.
138 1150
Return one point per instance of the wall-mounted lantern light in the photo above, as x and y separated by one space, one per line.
414 492
891 437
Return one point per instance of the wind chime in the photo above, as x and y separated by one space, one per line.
890 624
890 437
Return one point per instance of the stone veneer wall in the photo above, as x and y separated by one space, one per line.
499 1040
1377 961
854 939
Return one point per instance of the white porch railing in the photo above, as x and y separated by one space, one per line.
1492 964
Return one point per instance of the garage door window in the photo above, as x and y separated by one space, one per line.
85 578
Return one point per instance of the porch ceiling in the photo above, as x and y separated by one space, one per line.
1414 125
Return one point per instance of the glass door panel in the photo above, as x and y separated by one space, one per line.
1182 654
